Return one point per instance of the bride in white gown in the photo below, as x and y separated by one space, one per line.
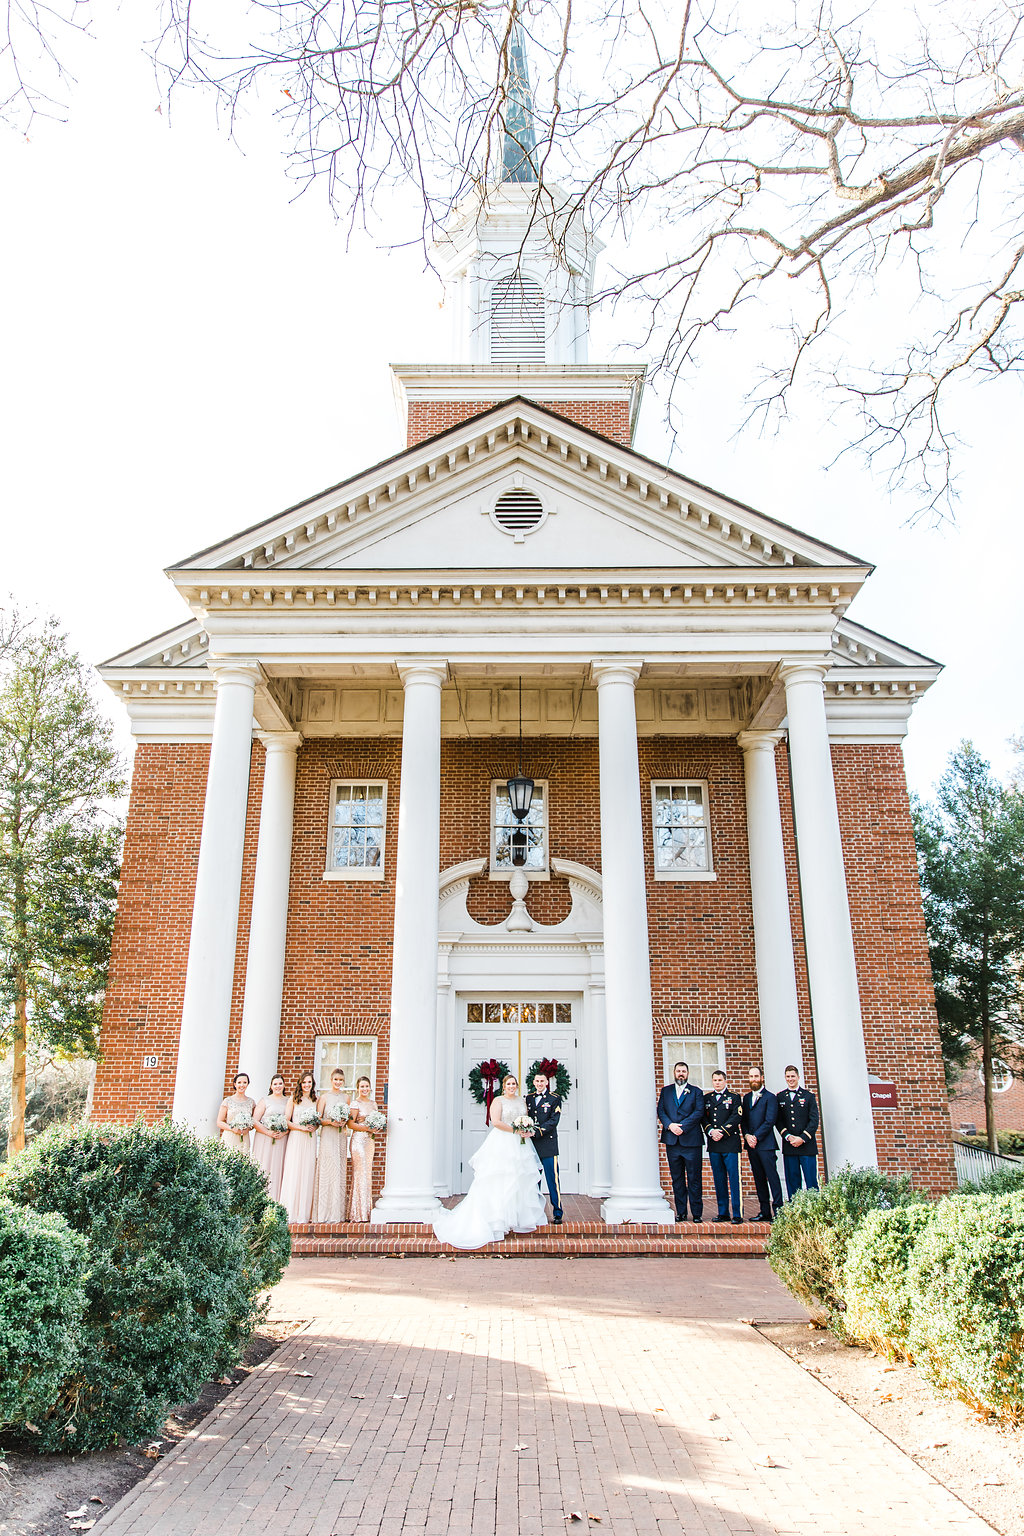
505 1192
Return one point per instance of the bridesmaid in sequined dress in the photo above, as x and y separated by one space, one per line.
269 1145
299 1179
236 1106
362 1145
333 1109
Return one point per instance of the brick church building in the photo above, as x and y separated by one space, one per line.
719 864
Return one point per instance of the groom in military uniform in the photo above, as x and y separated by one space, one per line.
545 1108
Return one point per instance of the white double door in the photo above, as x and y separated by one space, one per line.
519 1031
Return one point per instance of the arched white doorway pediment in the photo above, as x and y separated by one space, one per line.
563 961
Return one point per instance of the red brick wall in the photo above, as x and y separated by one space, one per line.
967 1106
338 968
609 417
897 996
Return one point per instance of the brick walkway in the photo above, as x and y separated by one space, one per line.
483 1398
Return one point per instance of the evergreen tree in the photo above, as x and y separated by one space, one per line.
59 853
970 847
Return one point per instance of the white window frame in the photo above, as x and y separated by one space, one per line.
318 1060
1002 1077
353 872
682 874
496 871
680 1048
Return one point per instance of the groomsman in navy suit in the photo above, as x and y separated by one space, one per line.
681 1112
758 1114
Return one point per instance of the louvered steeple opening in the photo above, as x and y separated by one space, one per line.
517 321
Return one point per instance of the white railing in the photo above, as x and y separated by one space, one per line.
973 1163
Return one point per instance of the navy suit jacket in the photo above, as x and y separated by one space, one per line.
759 1120
689 1113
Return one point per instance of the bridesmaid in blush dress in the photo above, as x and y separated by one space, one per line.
333 1109
362 1145
299 1178
270 1135
234 1119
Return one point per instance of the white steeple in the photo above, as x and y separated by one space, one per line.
517 259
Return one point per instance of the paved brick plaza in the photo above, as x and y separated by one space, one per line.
481 1397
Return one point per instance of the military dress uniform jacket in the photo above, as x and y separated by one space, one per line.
546 1109
723 1114
798 1116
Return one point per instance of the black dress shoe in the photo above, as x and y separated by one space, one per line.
720 1218
760 1217
738 1221
680 1218
557 1218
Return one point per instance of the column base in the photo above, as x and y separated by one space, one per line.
421 1207
642 1206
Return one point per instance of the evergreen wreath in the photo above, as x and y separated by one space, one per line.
555 1072
485 1080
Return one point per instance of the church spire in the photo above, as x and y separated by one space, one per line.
518 154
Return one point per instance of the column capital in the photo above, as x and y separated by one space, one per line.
280 741
243 669
430 671
625 669
758 741
805 670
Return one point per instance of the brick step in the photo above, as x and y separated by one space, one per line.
717 1230
571 1240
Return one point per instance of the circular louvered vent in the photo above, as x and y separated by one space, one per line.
518 512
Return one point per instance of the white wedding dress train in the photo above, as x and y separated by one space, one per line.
505 1193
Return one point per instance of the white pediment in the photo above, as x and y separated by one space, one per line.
603 506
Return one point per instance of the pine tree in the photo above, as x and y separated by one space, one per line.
59 852
970 846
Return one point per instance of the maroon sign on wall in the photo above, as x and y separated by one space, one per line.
883 1095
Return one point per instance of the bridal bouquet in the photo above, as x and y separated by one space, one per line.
239 1120
375 1122
275 1121
524 1125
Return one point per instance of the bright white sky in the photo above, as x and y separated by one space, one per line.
188 349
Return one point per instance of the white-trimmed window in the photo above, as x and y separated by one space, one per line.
503 824
356 1057
682 830
703 1055
355 838
1002 1077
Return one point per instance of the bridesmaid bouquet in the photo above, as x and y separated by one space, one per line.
337 1114
306 1120
375 1122
275 1122
524 1125
239 1120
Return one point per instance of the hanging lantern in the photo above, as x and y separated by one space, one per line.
519 846
520 795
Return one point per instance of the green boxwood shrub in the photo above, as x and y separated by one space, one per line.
875 1278
1005 1181
182 1242
42 1298
966 1286
810 1235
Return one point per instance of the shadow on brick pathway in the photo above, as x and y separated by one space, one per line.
482 1398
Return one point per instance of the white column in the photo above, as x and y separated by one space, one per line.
635 1183
264 964
828 937
206 1007
599 1110
769 898
408 1193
